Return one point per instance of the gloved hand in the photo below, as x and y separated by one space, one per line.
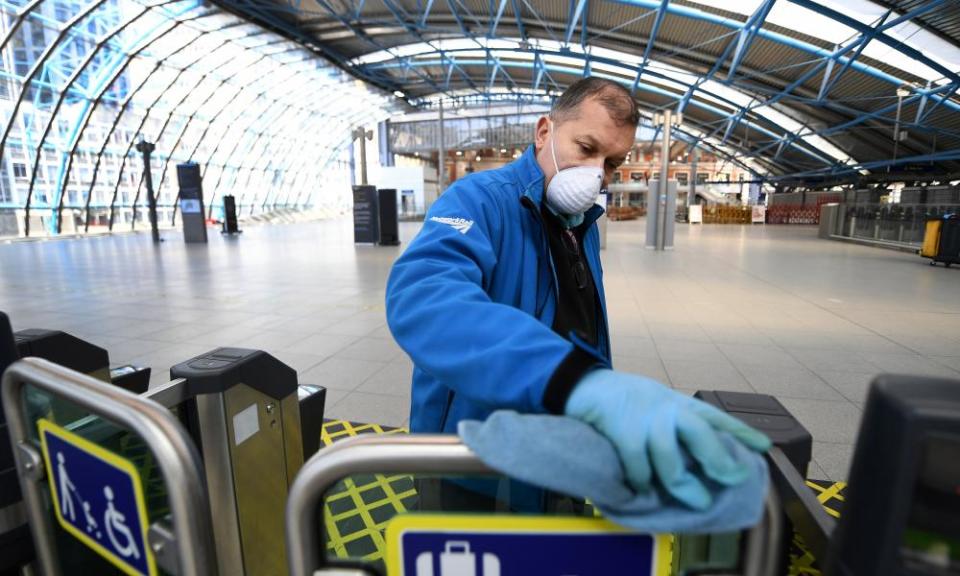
647 422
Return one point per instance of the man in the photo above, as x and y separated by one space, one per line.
499 302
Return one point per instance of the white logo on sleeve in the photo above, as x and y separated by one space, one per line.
462 225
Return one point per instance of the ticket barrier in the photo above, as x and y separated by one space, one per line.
16 547
117 489
241 410
437 542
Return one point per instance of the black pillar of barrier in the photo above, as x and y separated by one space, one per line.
16 545
191 203
230 225
366 217
146 149
389 225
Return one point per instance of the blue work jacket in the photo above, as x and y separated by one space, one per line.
473 298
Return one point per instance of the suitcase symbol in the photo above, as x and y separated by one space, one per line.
457 560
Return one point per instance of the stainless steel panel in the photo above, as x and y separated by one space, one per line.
219 472
259 477
292 435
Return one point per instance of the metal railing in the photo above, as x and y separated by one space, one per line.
186 545
438 454
894 223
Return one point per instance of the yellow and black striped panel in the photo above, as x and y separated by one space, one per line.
831 497
357 509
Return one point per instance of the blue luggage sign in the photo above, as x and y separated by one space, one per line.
98 498
462 545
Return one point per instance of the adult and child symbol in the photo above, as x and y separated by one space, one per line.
114 521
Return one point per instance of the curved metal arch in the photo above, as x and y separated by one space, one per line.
247 134
88 115
56 110
252 118
28 82
18 21
656 90
172 110
736 26
227 161
240 112
146 115
178 194
805 150
251 150
282 24
332 150
347 123
282 153
189 120
286 171
122 108
38 65
321 115
319 169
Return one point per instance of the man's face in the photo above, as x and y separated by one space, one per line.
588 138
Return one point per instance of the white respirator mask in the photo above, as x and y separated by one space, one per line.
572 191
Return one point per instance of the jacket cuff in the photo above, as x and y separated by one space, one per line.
566 377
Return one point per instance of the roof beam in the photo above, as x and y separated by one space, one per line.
426 13
518 15
496 19
661 12
575 12
829 83
747 34
951 90
867 30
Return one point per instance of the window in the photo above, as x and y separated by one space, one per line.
702 177
683 178
19 170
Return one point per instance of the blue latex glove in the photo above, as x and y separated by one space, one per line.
647 422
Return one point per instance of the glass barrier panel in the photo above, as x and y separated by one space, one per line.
358 511
111 441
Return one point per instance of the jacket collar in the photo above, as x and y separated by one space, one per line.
531 182
530 175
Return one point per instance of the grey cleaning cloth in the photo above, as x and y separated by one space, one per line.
568 456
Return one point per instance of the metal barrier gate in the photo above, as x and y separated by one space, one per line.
437 454
153 515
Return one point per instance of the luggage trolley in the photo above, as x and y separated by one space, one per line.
453 544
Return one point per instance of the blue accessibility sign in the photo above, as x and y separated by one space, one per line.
98 498
453 545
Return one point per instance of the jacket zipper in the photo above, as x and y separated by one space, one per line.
544 242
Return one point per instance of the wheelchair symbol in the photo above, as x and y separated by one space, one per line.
115 523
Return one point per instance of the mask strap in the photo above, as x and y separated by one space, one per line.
553 147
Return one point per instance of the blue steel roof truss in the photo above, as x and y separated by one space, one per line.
786 153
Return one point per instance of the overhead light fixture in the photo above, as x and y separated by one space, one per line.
459 152
399 94
903 91
478 158
503 150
